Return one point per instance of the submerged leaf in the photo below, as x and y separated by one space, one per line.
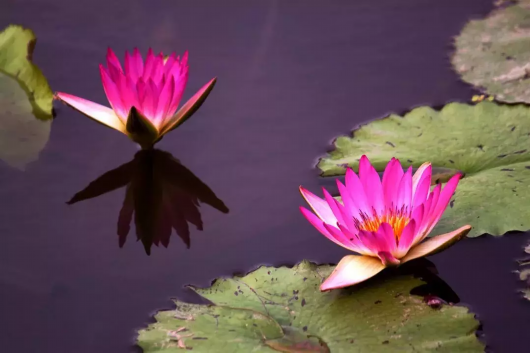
488 142
493 53
25 100
282 309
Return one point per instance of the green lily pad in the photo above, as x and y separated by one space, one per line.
25 97
282 310
488 142
493 53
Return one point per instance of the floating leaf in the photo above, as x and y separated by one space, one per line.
282 309
490 143
25 100
494 53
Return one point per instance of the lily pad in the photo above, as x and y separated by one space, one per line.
282 309
25 97
493 53
489 143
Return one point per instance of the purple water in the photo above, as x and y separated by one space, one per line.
292 76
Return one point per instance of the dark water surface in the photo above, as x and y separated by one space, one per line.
292 75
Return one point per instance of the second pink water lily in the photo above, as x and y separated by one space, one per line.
144 96
384 221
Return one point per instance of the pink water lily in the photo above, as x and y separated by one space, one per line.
144 97
384 221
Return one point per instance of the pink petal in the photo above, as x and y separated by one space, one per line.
428 213
188 109
347 218
424 171
404 193
113 65
93 110
357 244
445 196
138 62
158 69
180 85
383 240
371 185
319 206
407 237
341 238
164 101
391 180
131 69
333 205
319 224
436 244
351 270
113 94
149 65
421 189
350 210
151 100
357 192
129 95
168 65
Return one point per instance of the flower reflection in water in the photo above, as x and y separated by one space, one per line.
161 193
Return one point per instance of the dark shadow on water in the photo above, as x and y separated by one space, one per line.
162 194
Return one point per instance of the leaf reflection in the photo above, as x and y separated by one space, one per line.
161 193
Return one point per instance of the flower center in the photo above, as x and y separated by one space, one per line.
397 219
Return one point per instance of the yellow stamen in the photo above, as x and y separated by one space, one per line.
398 219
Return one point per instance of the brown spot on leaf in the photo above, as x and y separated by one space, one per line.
390 143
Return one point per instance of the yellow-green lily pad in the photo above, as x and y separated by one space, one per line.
25 99
488 142
282 310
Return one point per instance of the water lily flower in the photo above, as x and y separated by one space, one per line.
384 221
144 97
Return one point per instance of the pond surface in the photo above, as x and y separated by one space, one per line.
291 76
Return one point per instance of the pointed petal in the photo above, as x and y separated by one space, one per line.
181 79
406 239
149 65
189 108
357 192
383 240
424 171
404 193
113 65
436 244
319 224
113 94
131 70
319 206
421 190
445 196
351 270
357 244
391 179
333 205
100 113
158 69
341 238
164 100
138 62
371 184
350 209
